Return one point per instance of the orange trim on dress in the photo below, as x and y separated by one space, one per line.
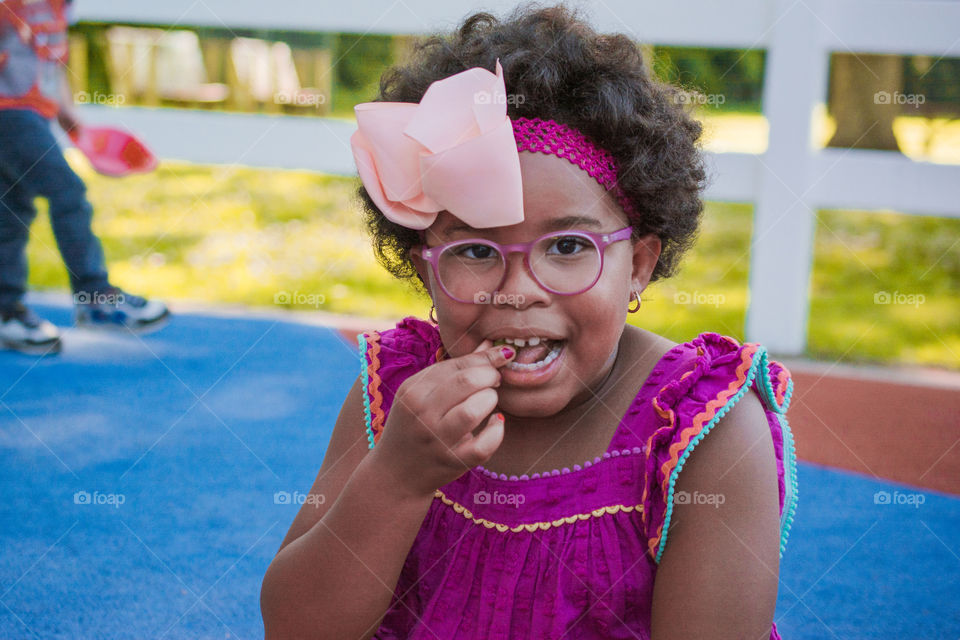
376 398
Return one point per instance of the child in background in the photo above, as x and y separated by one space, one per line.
512 469
34 90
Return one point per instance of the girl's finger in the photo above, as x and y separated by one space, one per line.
486 344
474 450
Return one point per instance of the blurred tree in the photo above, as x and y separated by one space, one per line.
937 79
863 100
358 62
733 77
361 58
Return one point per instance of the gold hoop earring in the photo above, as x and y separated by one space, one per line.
637 308
432 317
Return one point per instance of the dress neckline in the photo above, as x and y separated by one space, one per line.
611 451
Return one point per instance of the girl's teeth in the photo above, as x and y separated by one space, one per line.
533 366
520 342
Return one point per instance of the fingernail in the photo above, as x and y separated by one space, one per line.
507 352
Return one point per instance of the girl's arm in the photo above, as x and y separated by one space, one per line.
718 575
339 564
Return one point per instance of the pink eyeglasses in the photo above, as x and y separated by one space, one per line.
473 270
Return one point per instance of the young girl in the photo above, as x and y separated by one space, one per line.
512 469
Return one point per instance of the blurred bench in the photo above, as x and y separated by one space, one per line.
153 65
264 74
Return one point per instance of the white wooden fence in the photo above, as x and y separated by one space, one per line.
787 183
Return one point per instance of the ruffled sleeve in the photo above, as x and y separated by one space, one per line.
387 358
709 382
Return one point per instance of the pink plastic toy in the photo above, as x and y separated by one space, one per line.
113 152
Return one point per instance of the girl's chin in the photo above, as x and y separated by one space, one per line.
521 405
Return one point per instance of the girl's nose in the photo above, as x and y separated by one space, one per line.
519 288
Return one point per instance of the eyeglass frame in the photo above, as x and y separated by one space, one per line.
600 239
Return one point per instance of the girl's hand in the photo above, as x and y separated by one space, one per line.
428 439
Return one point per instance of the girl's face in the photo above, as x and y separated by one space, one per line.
588 324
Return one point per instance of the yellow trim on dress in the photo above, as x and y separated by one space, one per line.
534 526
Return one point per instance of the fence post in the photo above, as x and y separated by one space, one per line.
781 249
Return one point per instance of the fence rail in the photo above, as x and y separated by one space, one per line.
787 183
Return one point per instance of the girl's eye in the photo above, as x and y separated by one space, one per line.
569 245
477 251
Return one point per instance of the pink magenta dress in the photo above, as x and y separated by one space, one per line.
572 553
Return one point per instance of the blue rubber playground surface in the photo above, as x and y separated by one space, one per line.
148 482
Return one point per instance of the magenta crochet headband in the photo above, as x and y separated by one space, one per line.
564 141
458 151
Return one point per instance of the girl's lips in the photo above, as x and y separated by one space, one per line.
538 377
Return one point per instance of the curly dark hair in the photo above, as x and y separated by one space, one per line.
567 72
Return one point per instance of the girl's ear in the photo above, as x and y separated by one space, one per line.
646 253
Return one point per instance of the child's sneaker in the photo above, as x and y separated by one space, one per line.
22 330
114 308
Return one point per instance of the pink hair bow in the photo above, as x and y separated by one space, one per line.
453 151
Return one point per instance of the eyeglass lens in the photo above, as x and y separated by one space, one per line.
562 263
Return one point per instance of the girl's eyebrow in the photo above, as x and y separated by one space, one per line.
569 222
566 222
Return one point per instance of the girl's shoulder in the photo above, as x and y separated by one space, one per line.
389 357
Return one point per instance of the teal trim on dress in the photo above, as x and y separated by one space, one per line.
789 454
362 343
790 471
791 493
770 394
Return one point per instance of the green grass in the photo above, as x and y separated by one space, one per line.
242 235
885 288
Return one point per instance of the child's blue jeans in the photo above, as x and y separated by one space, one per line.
32 165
